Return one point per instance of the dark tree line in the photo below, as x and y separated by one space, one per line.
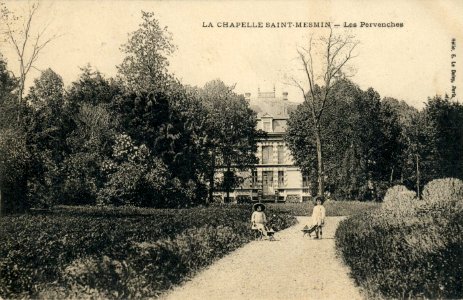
371 144
144 139
140 139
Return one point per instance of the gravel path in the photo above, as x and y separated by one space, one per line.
292 267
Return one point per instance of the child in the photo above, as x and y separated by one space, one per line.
318 217
258 218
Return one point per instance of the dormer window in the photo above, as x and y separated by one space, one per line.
267 123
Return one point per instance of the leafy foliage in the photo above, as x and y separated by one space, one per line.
14 154
444 191
14 161
45 136
400 201
158 121
432 139
134 176
336 52
446 117
144 68
360 142
413 253
90 127
230 135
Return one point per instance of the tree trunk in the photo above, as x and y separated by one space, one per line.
227 186
418 177
1 200
211 182
210 197
321 175
3 204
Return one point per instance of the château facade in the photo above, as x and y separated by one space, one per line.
275 176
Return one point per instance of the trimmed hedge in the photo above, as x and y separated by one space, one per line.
418 253
444 190
116 253
333 208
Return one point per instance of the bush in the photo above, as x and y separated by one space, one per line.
293 198
400 202
333 208
398 192
417 254
133 176
242 199
443 190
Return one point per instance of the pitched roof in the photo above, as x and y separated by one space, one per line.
267 104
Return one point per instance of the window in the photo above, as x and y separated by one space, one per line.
281 154
254 178
305 184
267 154
267 178
305 181
267 181
267 126
281 178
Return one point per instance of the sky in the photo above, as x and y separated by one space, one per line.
409 63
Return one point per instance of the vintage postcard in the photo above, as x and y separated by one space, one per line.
96 59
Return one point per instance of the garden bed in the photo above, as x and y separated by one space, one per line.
116 252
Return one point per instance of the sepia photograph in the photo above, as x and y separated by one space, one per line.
232 150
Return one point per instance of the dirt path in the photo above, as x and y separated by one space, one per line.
292 267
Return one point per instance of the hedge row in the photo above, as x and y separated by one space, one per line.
115 253
410 247
333 208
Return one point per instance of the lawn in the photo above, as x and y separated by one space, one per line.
333 208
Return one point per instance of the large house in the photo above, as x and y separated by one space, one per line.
275 177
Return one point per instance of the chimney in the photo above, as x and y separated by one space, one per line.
285 96
247 96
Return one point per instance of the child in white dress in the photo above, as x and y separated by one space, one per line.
318 217
258 219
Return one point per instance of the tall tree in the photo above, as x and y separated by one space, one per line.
91 127
156 111
144 68
19 33
447 118
14 156
166 123
27 42
47 89
421 154
46 137
405 116
8 84
359 142
337 52
231 134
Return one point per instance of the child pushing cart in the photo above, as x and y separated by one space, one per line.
318 219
